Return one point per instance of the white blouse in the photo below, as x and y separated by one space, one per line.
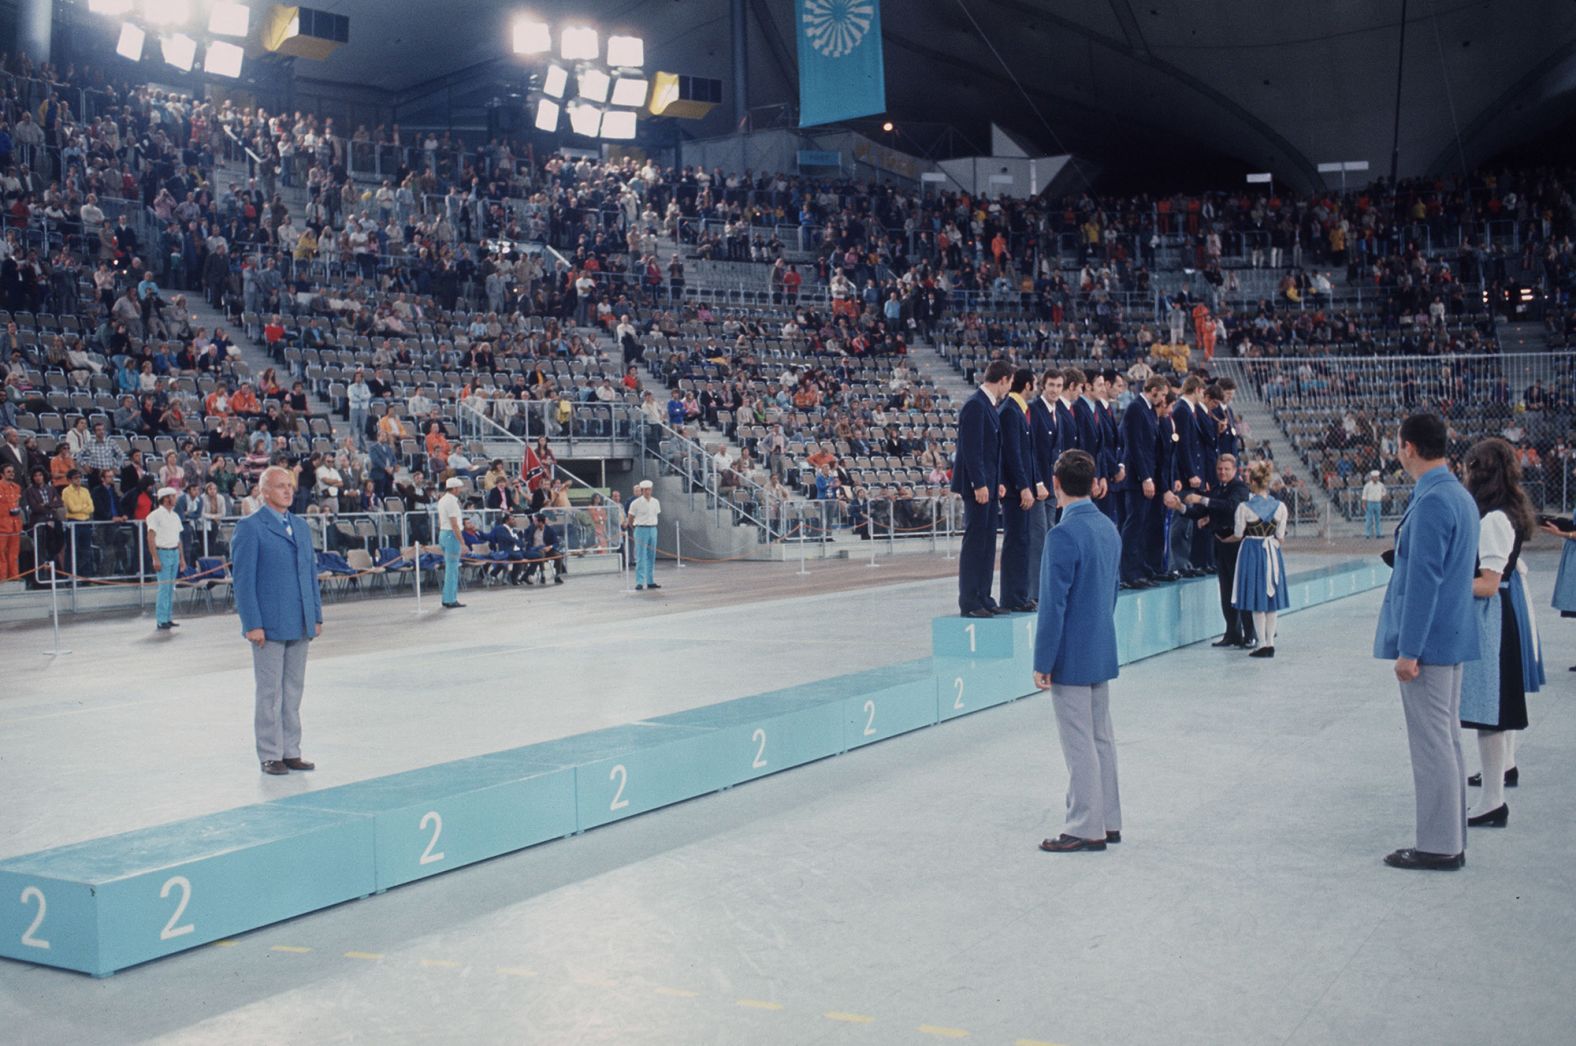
1246 515
1496 539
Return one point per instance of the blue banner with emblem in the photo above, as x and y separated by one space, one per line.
841 72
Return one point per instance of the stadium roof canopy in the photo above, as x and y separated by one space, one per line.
1178 88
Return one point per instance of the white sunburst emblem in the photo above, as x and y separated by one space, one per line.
835 27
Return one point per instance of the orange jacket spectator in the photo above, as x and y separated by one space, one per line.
244 401
217 403
437 444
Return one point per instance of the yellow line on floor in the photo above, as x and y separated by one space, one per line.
293 949
1034 1042
441 964
941 1032
677 993
516 971
758 1004
373 956
224 944
848 1018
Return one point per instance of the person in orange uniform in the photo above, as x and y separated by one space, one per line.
10 524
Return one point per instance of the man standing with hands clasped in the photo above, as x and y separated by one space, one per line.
276 594
1075 654
1429 627
451 537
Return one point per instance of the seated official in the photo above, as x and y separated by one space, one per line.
541 545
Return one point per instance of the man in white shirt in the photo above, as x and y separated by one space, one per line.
644 511
1373 504
451 536
164 547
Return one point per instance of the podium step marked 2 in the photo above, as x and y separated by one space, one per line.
105 904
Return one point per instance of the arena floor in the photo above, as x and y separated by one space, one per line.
893 895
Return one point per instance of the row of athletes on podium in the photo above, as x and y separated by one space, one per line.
1166 461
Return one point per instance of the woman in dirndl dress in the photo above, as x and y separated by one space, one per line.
1565 582
1259 586
1494 688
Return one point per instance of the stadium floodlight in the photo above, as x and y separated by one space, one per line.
223 59
619 124
180 51
586 119
532 37
626 52
556 82
1260 178
630 91
167 12
131 40
579 44
113 8
593 84
547 112
228 19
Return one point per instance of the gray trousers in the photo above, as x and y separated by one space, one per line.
1083 721
280 670
1432 703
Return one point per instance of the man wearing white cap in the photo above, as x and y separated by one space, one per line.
1373 502
643 513
451 536
164 546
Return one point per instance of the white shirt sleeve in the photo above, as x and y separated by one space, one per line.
1244 514
1496 538
1280 521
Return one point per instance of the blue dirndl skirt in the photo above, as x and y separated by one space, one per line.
1532 675
1565 582
1480 678
1258 561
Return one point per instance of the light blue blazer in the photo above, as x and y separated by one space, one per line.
1428 613
275 577
1075 640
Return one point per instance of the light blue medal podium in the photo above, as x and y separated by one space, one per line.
106 904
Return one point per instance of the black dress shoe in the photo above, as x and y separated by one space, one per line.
978 612
275 767
1498 817
1141 584
638 588
1512 778
452 606
1227 641
1421 860
1263 651
1021 608
300 764
653 585
1113 837
558 581
1066 844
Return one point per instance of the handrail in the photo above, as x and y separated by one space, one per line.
230 134
707 475
499 433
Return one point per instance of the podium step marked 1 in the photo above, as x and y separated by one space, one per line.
105 904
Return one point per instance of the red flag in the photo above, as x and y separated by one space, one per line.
531 470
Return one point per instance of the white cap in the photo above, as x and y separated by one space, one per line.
1374 474
643 484
168 492
454 483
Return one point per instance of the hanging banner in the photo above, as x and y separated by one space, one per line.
841 72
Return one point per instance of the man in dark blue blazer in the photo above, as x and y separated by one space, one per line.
1113 465
1188 461
274 568
1231 441
1075 654
1211 423
1428 625
1143 534
1018 504
976 475
1043 434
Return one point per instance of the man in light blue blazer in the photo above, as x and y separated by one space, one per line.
1075 653
275 574
1428 627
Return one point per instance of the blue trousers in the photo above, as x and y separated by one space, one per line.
1371 518
169 562
645 555
451 566
1143 536
1017 583
977 554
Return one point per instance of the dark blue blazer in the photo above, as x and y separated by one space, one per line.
1230 440
977 461
1208 441
1110 438
1066 430
1043 434
1189 455
1165 450
1089 435
1017 449
1075 637
1141 443
1428 611
275 576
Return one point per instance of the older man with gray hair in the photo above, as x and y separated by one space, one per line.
276 593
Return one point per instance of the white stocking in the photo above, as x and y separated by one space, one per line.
1267 633
1511 739
1492 749
1259 629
